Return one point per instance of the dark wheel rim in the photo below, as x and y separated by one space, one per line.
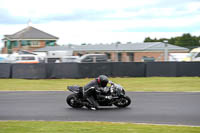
122 102
72 102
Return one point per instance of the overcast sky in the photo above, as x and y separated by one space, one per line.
102 21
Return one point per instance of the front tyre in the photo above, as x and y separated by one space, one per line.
72 100
123 102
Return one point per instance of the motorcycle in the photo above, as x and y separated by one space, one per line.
114 95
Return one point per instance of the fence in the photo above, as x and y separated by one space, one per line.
113 69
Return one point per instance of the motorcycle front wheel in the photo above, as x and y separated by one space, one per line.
72 101
123 102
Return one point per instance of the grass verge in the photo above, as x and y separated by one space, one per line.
163 84
89 127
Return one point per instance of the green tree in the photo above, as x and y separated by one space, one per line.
186 40
148 39
172 40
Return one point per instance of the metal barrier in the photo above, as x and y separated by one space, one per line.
111 69
5 70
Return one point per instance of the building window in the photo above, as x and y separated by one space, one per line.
108 55
14 43
8 45
35 43
148 59
25 43
11 44
119 57
131 57
50 43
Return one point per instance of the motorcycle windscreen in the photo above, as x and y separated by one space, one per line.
73 88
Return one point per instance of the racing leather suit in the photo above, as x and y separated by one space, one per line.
90 90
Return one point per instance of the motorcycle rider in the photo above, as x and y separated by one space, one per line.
92 88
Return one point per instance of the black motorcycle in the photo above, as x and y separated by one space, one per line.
114 95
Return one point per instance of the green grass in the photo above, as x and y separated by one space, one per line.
89 127
168 84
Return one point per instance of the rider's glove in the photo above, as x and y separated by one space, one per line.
108 97
110 82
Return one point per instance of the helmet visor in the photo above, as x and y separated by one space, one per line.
104 83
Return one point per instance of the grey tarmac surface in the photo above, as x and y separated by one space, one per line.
147 107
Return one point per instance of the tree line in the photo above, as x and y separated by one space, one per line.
186 40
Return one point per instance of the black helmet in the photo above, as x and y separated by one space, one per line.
102 80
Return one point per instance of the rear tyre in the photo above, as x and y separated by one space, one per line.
123 102
72 100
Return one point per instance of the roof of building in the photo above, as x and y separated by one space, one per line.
53 48
151 46
30 33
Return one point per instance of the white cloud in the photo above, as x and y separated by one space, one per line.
99 33
41 8
68 33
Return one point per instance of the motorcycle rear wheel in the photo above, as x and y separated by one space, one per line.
123 102
72 101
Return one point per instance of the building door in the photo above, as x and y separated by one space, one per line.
131 57
119 57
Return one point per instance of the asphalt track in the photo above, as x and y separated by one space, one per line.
147 107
